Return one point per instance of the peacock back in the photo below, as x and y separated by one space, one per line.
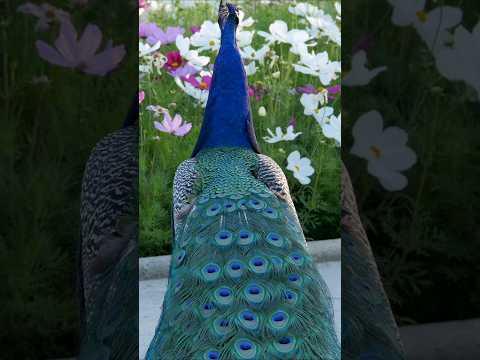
242 284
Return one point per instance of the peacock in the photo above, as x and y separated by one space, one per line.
107 254
242 284
369 331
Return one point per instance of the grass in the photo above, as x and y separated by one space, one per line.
316 203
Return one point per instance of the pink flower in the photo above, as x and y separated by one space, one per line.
142 4
80 54
141 96
45 13
174 60
333 90
306 89
154 34
251 91
184 71
258 90
203 84
194 29
174 126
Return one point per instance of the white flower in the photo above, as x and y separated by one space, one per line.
338 8
319 65
276 75
304 9
386 150
144 49
432 26
323 25
280 136
244 38
279 33
322 114
208 38
301 167
183 45
311 102
250 53
242 22
46 14
359 74
200 95
250 69
461 61
262 111
156 110
332 128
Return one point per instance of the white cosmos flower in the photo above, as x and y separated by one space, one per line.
243 23
385 150
279 33
301 167
359 75
244 38
319 65
332 128
304 9
311 102
200 95
145 49
251 68
183 45
250 53
208 38
322 114
432 26
461 61
323 25
280 136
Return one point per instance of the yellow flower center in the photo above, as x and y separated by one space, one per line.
203 85
422 16
175 65
211 42
297 168
376 151
253 54
321 89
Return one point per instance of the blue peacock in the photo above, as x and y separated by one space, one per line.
242 284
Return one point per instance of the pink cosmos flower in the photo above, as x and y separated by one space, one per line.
202 84
293 121
258 91
194 29
141 96
142 4
154 34
174 60
46 14
306 89
81 54
333 90
174 126
184 71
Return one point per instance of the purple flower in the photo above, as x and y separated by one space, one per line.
306 89
184 71
141 96
174 126
81 54
202 83
154 34
194 29
333 90
146 29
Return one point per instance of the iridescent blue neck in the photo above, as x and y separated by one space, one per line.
227 120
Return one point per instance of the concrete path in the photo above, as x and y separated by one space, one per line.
152 292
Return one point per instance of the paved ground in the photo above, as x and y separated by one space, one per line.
152 292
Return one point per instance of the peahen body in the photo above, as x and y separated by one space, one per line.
242 284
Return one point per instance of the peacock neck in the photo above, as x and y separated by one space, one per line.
227 120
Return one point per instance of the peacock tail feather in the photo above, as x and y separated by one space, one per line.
242 284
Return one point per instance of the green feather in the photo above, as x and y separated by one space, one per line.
241 262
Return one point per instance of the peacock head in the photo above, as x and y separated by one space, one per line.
227 13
